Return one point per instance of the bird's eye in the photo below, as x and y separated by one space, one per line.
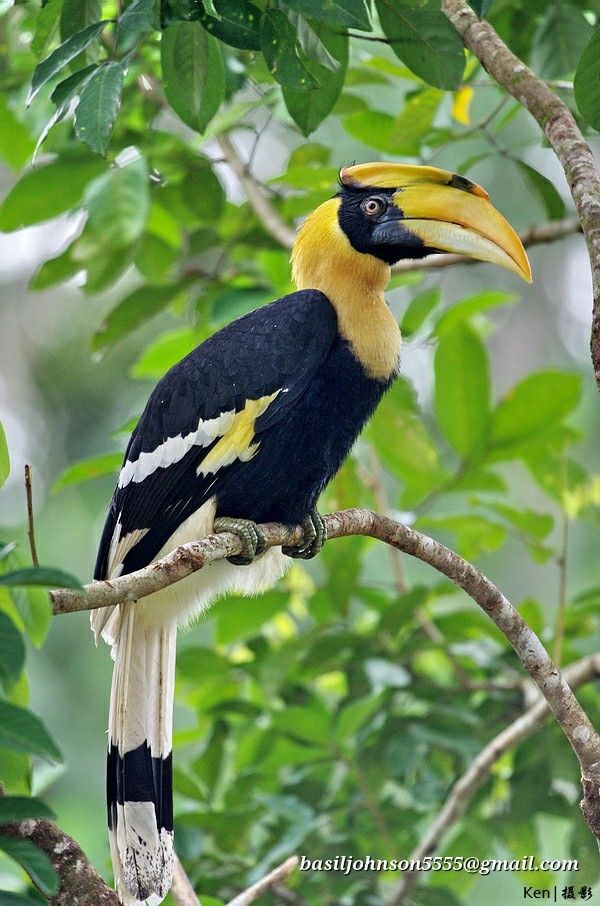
373 206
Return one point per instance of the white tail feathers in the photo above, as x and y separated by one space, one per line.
139 770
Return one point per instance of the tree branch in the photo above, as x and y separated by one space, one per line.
79 882
575 723
478 772
182 889
266 213
560 128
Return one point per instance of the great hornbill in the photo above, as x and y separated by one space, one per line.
249 428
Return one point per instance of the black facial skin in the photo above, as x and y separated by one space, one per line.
392 241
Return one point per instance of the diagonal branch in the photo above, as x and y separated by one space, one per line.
560 128
182 889
264 210
478 772
275 877
575 723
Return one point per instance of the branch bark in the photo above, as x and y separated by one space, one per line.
582 736
266 213
478 772
79 882
182 890
560 128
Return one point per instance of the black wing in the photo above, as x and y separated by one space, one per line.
198 423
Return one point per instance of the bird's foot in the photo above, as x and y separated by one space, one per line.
252 539
315 536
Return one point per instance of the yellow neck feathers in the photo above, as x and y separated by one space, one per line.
323 259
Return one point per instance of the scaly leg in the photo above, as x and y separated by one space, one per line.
315 536
253 540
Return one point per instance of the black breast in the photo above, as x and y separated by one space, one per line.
299 454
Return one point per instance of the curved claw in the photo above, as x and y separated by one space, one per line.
252 539
315 536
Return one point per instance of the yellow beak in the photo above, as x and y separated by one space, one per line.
448 213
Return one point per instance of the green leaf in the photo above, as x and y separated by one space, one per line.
59 58
402 134
28 607
311 44
587 82
77 15
416 460
286 62
41 576
423 38
545 190
16 144
538 525
4 457
164 352
55 270
353 716
118 203
309 107
22 731
462 388
16 899
12 653
139 306
472 305
236 621
193 73
99 103
46 27
340 13
19 808
137 19
33 860
419 308
560 40
86 469
532 407
64 96
415 120
46 192
238 23
475 535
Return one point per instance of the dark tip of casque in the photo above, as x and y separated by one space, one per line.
465 185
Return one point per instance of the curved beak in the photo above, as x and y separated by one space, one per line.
446 212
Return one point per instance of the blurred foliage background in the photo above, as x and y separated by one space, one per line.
331 716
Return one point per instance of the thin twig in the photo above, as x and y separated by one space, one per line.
30 522
188 558
479 770
181 889
559 125
279 874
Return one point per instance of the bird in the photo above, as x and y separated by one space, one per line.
249 428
